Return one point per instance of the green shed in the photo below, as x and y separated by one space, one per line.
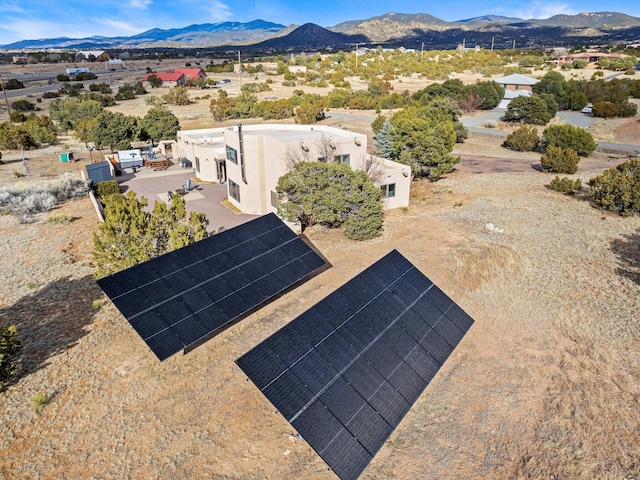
66 157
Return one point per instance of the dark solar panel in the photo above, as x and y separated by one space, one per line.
178 300
346 371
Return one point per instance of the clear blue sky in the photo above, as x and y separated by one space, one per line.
33 19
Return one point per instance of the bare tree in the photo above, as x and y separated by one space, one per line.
372 166
325 149
295 154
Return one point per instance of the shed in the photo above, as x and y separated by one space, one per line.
66 157
99 172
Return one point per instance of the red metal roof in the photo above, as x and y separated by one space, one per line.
165 76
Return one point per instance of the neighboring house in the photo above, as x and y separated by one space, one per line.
96 55
192 73
591 58
168 79
515 85
252 158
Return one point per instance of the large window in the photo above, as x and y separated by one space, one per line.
198 164
234 190
344 158
388 191
232 154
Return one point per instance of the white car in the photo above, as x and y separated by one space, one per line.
588 109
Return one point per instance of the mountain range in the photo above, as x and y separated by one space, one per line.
393 29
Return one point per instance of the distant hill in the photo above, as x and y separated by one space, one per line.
390 29
207 34
311 35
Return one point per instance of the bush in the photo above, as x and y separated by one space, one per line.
9 346
618 188
606 109
568 136
628 109
560 160
109 187
565 185
50 95
524 139
23 106
490 124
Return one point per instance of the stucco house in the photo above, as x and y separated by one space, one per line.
251 159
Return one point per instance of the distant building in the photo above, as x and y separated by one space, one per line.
515 85
251 159
92 55
168 79
591 58
75 71
192 73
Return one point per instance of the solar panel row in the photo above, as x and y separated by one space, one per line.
346 371
180 298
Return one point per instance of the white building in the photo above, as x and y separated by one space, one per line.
251 159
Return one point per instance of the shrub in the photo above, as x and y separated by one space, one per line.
628 109
109 187
560 160
606 109
618 188
490 124
9 346
565 185
568 136
524 139
23 106
39 401
60 219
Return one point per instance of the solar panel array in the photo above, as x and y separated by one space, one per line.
180 299
346 371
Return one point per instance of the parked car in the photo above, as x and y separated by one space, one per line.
588 109
224 80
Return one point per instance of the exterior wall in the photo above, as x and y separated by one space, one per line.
514 87
265 148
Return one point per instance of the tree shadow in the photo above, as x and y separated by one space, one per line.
51 321
627 250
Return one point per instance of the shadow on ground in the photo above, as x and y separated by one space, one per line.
627 249
51 320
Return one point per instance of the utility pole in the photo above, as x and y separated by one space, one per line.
4 91
492 40
239 70
421 52
357 45
514 44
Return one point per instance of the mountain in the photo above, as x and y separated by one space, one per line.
207 34
588 20
390 29
311 35
391 25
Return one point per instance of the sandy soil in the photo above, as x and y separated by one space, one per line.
545 384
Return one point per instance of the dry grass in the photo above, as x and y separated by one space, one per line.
483 262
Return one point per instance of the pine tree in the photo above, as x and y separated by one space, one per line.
131 235
384 139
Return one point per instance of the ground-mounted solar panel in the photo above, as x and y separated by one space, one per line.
346 371
181 299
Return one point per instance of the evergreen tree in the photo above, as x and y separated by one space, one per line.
9 346
160 124
131 235
332 195
383 143
114 130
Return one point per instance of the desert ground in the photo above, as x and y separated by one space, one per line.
546 384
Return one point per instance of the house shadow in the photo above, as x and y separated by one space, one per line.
627 250
50 321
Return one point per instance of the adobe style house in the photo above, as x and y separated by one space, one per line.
192 73
251 159
168 79
591 58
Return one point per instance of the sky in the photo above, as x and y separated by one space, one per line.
34 19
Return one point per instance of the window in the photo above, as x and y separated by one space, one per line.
388 191
232 154
322 159
234 190
197 164
275 201
516 87
344 158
